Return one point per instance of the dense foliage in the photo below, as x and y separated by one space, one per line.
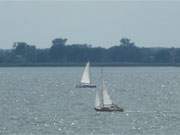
59 52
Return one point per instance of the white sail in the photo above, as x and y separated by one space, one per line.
103 101
86 75
97 101
106 98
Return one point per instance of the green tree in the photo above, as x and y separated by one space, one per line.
58 50
59 42
24 52
125 42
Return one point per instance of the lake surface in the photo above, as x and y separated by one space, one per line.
40 101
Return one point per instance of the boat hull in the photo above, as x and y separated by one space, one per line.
109 110
86 86
114 108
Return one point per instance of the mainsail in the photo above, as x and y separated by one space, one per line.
102 97
106 98
103 101
97 101
86 75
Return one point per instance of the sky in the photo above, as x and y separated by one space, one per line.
99 23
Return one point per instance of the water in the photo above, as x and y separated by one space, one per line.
39 101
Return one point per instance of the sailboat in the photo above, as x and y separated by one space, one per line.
85 79
103 101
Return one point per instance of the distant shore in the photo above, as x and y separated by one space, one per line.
92 64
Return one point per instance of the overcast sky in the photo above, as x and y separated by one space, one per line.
97 23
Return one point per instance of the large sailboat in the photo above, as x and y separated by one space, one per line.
103 101
85 79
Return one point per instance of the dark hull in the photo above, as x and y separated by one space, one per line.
113 108
85 86
109 110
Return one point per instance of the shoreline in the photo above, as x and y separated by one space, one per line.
92 64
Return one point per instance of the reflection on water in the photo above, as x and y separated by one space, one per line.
45 101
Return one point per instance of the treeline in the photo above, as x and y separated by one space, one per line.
60 52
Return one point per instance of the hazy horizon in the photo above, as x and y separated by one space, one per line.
148 24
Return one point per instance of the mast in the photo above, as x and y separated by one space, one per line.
86 74
89 72
106 99
102 87
97 100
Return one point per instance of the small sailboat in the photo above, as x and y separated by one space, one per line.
85 79
103 101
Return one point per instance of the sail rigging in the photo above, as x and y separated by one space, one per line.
97 101
106 98
85 81
103 101
102 97
86 75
